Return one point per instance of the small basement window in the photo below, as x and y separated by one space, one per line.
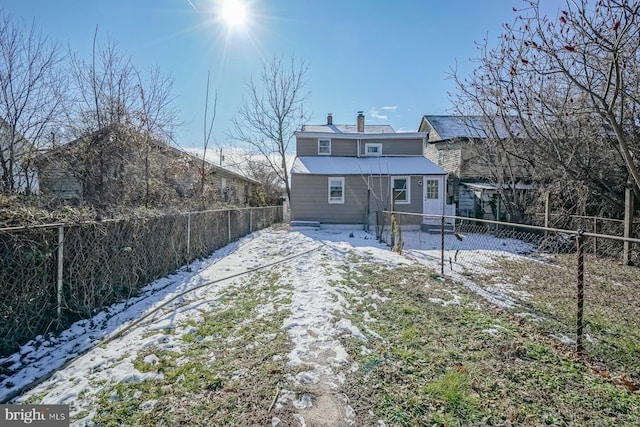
324 146
336 190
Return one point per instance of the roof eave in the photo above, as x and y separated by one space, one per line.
361 135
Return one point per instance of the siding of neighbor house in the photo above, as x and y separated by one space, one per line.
59 183
174 178
447 155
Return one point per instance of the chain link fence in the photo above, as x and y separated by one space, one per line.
52 275
557 281
596 225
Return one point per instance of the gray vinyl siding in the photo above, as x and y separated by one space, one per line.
404 147
339 147
309 199
349 147
59 183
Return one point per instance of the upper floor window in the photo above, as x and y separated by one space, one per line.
401 189
324 146
372 149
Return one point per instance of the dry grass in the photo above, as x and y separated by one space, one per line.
611 307
448 358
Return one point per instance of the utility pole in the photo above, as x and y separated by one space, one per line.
221 157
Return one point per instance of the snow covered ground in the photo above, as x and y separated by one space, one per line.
314 325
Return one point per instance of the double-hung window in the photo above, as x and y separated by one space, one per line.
336 189
401 189
372 149
324 147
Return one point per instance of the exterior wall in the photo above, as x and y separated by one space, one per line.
402 147
473 165
447 155
339 147
381 198
309 200
59 183
173 178
466 201
349 147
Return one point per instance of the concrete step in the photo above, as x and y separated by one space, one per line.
436 229
315 224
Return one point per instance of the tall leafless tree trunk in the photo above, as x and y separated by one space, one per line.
272 112
114 103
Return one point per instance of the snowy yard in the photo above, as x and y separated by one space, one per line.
318 339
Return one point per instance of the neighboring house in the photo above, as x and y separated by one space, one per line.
461 146
346 174
121 167
16 170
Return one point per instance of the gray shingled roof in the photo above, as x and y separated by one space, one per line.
450 127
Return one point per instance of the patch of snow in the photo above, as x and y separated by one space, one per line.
346 325
300 420
303 402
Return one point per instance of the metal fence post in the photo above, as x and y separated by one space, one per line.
250 220
595 239
229 222
60 266
628 225
442 246
579 317
189 241
547 210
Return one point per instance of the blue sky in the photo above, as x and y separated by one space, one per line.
387 58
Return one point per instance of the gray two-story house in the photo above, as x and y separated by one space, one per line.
349 174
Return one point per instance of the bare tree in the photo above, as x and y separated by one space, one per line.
272 111
271 187
572 84
156 116
31 98
117 106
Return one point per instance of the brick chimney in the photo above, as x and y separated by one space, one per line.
329 119
360 122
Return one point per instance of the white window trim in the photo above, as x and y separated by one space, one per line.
335 178
372 144
408 178
324 139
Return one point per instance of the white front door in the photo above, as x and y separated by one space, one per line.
433 198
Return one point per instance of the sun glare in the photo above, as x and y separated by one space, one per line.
234 13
